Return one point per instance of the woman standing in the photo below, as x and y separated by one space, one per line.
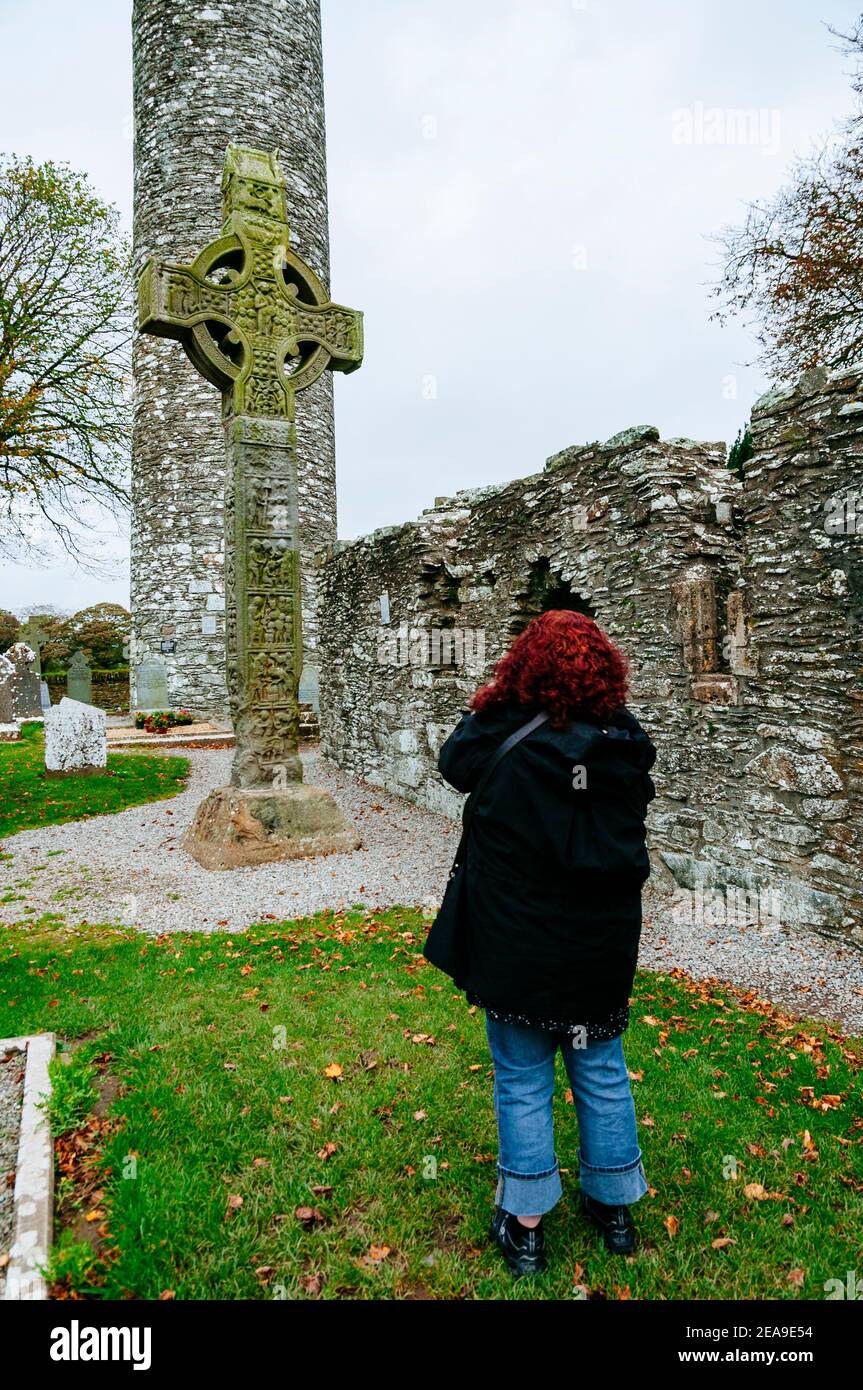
550 916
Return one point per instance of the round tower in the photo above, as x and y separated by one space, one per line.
207 75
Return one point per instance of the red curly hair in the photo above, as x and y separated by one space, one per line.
563 664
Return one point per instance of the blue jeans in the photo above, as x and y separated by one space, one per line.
610 1166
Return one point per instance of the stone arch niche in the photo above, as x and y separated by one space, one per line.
712 660
545 590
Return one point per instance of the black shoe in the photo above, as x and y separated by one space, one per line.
523 1249
614 1223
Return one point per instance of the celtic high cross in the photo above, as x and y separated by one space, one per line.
258 324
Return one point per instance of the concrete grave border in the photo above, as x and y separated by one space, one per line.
34 1173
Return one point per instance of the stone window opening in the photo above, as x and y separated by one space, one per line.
709 655
546 590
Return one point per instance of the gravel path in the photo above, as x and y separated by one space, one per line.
11 1091
800 971
131 868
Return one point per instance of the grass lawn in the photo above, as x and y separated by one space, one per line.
29 798
305 1110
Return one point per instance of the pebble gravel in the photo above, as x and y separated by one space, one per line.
11 1091
131 867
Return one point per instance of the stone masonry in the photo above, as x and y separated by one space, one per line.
739 605
203 79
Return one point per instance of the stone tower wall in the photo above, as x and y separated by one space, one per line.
203 80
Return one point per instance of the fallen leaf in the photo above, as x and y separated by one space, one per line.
332 1070
672 1225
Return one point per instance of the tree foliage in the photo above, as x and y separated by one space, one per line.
741 451
794 269
101 632
65 333
9 626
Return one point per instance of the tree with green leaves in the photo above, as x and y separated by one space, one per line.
741 451
102 632
65 335
9 628
794 269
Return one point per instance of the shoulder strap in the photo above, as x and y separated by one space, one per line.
505 748
493 761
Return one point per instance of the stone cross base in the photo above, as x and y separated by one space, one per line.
237 826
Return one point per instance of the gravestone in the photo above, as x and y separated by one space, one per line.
24 683
79 679
256 322
75 739
34 635
8 727
151 684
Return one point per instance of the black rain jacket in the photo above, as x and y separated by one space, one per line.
555 862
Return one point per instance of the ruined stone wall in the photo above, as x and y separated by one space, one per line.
609 529
204 79
803 566
739 612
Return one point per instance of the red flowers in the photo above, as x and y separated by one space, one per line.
159 721
564 664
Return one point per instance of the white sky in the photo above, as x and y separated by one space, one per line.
508 205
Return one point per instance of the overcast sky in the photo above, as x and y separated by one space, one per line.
517 203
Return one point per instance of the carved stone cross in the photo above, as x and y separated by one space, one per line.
257 323
35 636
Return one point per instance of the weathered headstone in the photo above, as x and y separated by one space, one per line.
24 683
151 684
8 727
79 679
257 323
34 635
75 739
